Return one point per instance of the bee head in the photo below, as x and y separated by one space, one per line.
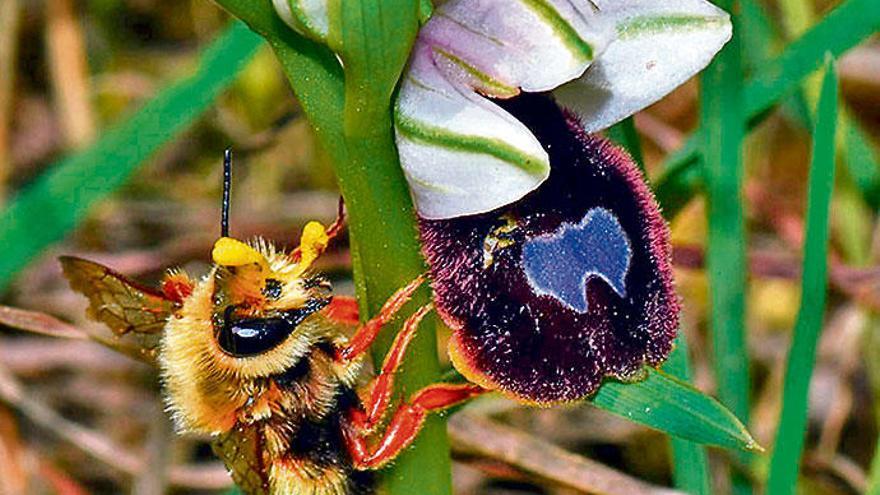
262 295
255 315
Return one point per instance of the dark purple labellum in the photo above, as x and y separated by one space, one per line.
570 284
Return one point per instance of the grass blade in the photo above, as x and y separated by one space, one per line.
723 130
61 197
861 160
788 447
681 179
690 461
758 35
670 405
840 30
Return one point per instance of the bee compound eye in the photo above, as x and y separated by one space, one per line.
243 337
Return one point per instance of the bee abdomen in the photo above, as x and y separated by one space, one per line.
300 448
317 461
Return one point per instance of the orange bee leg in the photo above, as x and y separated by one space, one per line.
383 385
406 423
343 309
365 335
176 287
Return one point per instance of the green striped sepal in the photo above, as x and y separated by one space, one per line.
659 45
602 59
461 152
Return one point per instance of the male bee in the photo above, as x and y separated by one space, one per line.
257 355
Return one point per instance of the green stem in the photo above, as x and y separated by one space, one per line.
351 115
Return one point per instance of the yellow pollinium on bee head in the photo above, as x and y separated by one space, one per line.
232 252
312 243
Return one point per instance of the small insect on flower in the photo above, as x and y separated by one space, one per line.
258 355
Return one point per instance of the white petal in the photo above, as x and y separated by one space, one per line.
461 153
534 45
660 44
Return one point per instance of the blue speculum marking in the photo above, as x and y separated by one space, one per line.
561 263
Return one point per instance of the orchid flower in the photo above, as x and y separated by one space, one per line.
549 257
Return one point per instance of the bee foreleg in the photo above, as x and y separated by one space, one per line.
343 310
365 335
406 423
382 386
177 286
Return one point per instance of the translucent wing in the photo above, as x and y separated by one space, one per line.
238 449
135 314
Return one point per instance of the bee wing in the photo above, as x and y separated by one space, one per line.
238 449
135 314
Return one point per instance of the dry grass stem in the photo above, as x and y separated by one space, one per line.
665 136
68 69
861 284
474 436
99 447
10 14
40 323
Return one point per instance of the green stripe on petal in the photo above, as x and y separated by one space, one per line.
485 81
307 17
561 27
302 18
432 135
639 26
659 45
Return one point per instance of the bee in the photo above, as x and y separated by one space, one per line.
259 355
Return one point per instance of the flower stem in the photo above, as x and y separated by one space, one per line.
351 114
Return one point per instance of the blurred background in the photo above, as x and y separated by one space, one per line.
76 418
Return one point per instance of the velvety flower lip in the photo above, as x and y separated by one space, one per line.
546 324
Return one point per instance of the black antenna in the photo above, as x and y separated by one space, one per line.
227 185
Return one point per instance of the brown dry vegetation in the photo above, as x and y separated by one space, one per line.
77 418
